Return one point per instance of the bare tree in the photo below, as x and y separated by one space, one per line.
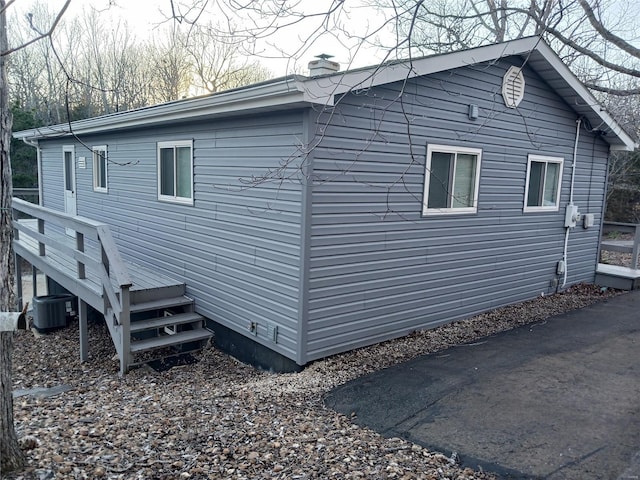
171 64
216 64
10 454
597 39
37 82
95 65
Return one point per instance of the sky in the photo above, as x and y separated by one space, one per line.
284 51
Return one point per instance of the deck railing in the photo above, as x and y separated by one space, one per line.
33 194
104 260
622 246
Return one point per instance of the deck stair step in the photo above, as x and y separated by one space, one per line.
176 326
179 338
168 321
161 304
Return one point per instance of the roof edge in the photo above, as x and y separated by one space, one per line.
268 94
325 89
328 86
628 144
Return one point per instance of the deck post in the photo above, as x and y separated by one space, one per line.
18 265
34 280
634 252
80 248
14 221
41 246
125 324
84 332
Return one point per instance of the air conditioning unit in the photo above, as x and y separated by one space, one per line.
50 311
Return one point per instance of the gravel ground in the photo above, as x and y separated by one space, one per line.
218 418
617 258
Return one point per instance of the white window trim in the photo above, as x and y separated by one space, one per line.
451 211
96 187
173 198
546 159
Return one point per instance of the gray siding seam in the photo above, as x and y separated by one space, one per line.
305 236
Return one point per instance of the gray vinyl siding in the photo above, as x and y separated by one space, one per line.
238 247
335 250
378 269
52 174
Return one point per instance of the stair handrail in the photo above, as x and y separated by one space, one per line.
111 262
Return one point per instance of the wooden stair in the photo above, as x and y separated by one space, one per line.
146 311
164 326
180 338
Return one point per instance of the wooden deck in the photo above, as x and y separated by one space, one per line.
621 238
619 276
58 266
80 255
616 276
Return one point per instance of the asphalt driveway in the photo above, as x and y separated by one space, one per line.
559 399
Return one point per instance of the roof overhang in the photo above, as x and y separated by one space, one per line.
276 95
297 91
533 50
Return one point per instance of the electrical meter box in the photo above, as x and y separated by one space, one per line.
571 216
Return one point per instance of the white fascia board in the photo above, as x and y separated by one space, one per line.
589 101
325 87
286 92
323 91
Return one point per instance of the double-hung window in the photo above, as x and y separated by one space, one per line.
452 180
175 171
100 168
542 190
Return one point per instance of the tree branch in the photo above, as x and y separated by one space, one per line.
7 5
613 91
606 33
42 35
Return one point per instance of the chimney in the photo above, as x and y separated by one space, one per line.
323 66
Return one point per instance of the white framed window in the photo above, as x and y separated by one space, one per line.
542 188
452 180
100 168
175 171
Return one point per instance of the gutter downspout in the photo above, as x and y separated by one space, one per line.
573 177
34 143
